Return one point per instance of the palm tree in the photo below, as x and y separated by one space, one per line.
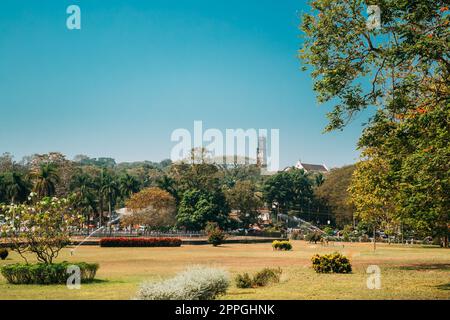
46 178
17 188
109 189
168 184
319 180
83 186
128 185
98 182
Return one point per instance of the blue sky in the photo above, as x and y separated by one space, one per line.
137 70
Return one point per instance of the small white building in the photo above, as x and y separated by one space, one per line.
308 167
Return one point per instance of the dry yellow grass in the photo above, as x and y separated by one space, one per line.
407 272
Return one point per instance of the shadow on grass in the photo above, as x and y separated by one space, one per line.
425 267
98 281
445 286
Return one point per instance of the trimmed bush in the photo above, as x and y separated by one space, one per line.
281 245
243 281
333 262
41 273
260 279
196 283
3 253
216 237
140 242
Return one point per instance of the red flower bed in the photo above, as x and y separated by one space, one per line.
140 242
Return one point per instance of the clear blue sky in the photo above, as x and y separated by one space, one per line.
138 69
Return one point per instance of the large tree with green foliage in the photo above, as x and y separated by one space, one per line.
244 198
127 185
15 187
289 190
371 194
198 207
333 193
45 179
84 199
401 69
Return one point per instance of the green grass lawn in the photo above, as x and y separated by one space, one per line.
408 272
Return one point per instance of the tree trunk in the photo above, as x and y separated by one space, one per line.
109 210
374 239
100 210
401 231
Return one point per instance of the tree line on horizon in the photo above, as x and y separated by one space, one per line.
202 192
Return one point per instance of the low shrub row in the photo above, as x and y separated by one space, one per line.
260 279
196 283
140 242
333 262
40 273
281 245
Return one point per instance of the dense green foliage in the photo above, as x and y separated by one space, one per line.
289 190
245 198
402 70
197 207
333 192
43 273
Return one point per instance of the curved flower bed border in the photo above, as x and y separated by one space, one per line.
140 242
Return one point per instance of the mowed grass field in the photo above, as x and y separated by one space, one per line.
407 272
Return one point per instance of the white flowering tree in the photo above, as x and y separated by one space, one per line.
42 228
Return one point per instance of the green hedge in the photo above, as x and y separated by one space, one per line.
333 262
41 273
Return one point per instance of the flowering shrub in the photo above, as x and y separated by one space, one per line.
281 245
41 228
333 262
140 242
196 283
216 236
